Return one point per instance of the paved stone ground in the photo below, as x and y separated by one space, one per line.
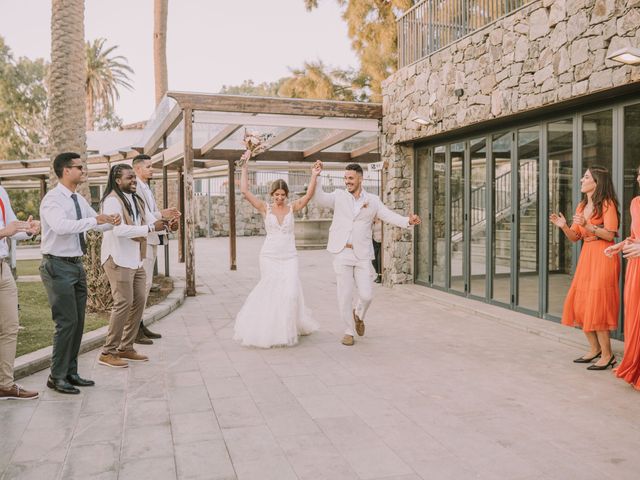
431 392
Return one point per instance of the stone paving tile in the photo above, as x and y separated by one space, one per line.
194 427
162 468
206 460
432 391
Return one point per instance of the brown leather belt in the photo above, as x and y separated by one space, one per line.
348 245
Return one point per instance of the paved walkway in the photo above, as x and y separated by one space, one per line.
431 392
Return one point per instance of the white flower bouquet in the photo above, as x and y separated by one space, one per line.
254 143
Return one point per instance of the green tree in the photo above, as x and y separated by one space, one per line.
248 87
105 73
316 80
373 32
23 106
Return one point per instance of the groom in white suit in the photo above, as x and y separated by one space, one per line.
350 241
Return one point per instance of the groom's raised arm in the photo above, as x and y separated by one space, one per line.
322 198
388 216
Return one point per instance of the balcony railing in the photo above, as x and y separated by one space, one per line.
433 24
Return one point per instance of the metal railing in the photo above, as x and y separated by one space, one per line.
433 24
260 183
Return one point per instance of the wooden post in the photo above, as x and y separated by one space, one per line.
165 204
43 187
188 203
181 225
232 214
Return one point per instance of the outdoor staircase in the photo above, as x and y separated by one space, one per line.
528 224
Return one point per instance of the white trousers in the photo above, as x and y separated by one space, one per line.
352 272
147 264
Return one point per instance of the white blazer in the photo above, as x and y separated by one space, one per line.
346 223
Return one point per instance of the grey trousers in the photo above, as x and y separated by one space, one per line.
8 324
66 286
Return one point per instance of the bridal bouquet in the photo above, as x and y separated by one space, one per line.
254 143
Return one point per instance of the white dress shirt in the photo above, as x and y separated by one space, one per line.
358 203
59 223
11 217
147 195
118 243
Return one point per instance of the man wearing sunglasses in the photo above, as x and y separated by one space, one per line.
65 217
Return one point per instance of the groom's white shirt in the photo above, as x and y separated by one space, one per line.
352 220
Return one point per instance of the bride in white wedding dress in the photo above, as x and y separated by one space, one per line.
274 313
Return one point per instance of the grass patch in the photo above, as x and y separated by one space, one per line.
28 267
35 314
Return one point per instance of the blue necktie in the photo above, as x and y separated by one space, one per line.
83 244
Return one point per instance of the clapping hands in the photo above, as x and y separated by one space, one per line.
558 220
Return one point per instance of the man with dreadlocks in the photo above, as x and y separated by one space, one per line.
123 252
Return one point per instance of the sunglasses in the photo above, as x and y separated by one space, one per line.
79 167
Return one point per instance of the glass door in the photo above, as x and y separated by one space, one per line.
528 271
560 193
479 218
422 241
501 245
457 234
439 218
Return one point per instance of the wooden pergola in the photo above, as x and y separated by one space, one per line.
196 134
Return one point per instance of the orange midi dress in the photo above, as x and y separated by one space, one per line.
629 368
593 298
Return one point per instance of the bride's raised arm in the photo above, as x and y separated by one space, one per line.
311 188
246 193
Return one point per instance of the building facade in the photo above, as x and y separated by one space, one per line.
485 137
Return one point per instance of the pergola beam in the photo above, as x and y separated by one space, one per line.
276 106
369 147
220 137
288 156
329 142
290 121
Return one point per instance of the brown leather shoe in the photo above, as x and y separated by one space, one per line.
16 392
359 324
142 339
111 360
133 356
348 340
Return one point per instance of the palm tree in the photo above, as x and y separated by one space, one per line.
66 119
160 10
105 73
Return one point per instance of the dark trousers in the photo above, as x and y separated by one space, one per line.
66 286
377 261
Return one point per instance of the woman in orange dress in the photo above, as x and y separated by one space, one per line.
593 298
629 368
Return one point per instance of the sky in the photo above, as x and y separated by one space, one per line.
210 43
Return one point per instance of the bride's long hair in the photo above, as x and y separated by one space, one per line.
279 185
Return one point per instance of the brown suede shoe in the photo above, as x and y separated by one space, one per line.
110 360
359 324
16 392
133 356
348 340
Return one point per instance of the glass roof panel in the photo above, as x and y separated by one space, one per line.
351 144
162 110
305 139
235 141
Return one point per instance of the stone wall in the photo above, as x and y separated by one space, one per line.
546 52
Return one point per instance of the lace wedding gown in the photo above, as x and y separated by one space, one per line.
274 313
